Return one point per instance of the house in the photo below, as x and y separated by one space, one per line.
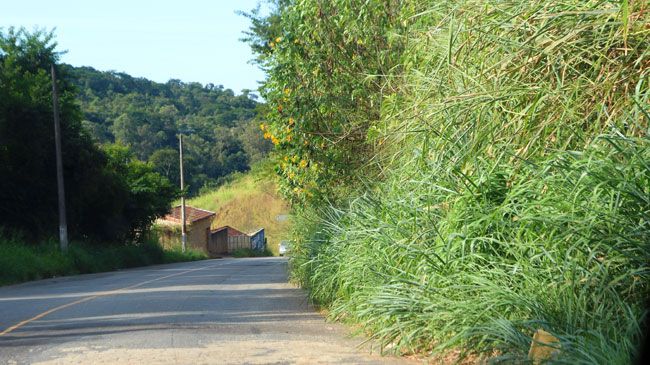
197 222
231 231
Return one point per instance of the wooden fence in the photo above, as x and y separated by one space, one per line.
237 242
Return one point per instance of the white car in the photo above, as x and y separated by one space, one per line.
284 248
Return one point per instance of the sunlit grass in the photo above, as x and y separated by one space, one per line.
20 261
515 188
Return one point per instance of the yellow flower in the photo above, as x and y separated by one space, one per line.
291 121
274 140
278 40
292 175
287 91
262 126
267 135
286 158
303 163
289 138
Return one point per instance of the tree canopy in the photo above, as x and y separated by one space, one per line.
110 195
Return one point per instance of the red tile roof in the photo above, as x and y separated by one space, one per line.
191 214
231 231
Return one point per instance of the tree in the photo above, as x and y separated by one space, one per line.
166 162
256 147
110 196
327 64
149 194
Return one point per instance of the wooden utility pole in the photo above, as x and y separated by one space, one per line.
63 224
183 227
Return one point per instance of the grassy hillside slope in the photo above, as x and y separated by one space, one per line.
502 180
248 203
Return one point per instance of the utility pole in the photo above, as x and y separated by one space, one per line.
63 224
183 227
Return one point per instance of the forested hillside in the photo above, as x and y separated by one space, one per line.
221 134
466 173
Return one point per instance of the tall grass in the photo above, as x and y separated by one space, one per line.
21 262
515 191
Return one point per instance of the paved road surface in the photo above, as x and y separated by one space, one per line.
228 311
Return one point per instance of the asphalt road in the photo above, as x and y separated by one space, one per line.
228 311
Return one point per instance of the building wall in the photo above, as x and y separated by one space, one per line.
258 240
169 235
198 235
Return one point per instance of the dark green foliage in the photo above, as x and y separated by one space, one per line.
326 61
109 196
147 116
148 194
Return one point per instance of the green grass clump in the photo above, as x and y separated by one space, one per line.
21 262
562 245
514 191
249 252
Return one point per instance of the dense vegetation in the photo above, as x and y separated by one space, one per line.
222 136
466 172
110 195
21 261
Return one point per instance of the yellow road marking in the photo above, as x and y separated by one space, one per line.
112 292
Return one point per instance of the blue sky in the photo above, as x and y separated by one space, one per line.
190 40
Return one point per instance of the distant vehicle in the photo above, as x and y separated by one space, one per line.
284 248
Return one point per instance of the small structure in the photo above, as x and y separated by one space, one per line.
226 239
198 223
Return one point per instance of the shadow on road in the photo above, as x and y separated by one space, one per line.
239 300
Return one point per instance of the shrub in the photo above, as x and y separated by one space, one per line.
248 252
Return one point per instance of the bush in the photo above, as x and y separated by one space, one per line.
248 252
326 62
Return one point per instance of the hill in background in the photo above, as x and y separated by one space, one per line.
222 136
